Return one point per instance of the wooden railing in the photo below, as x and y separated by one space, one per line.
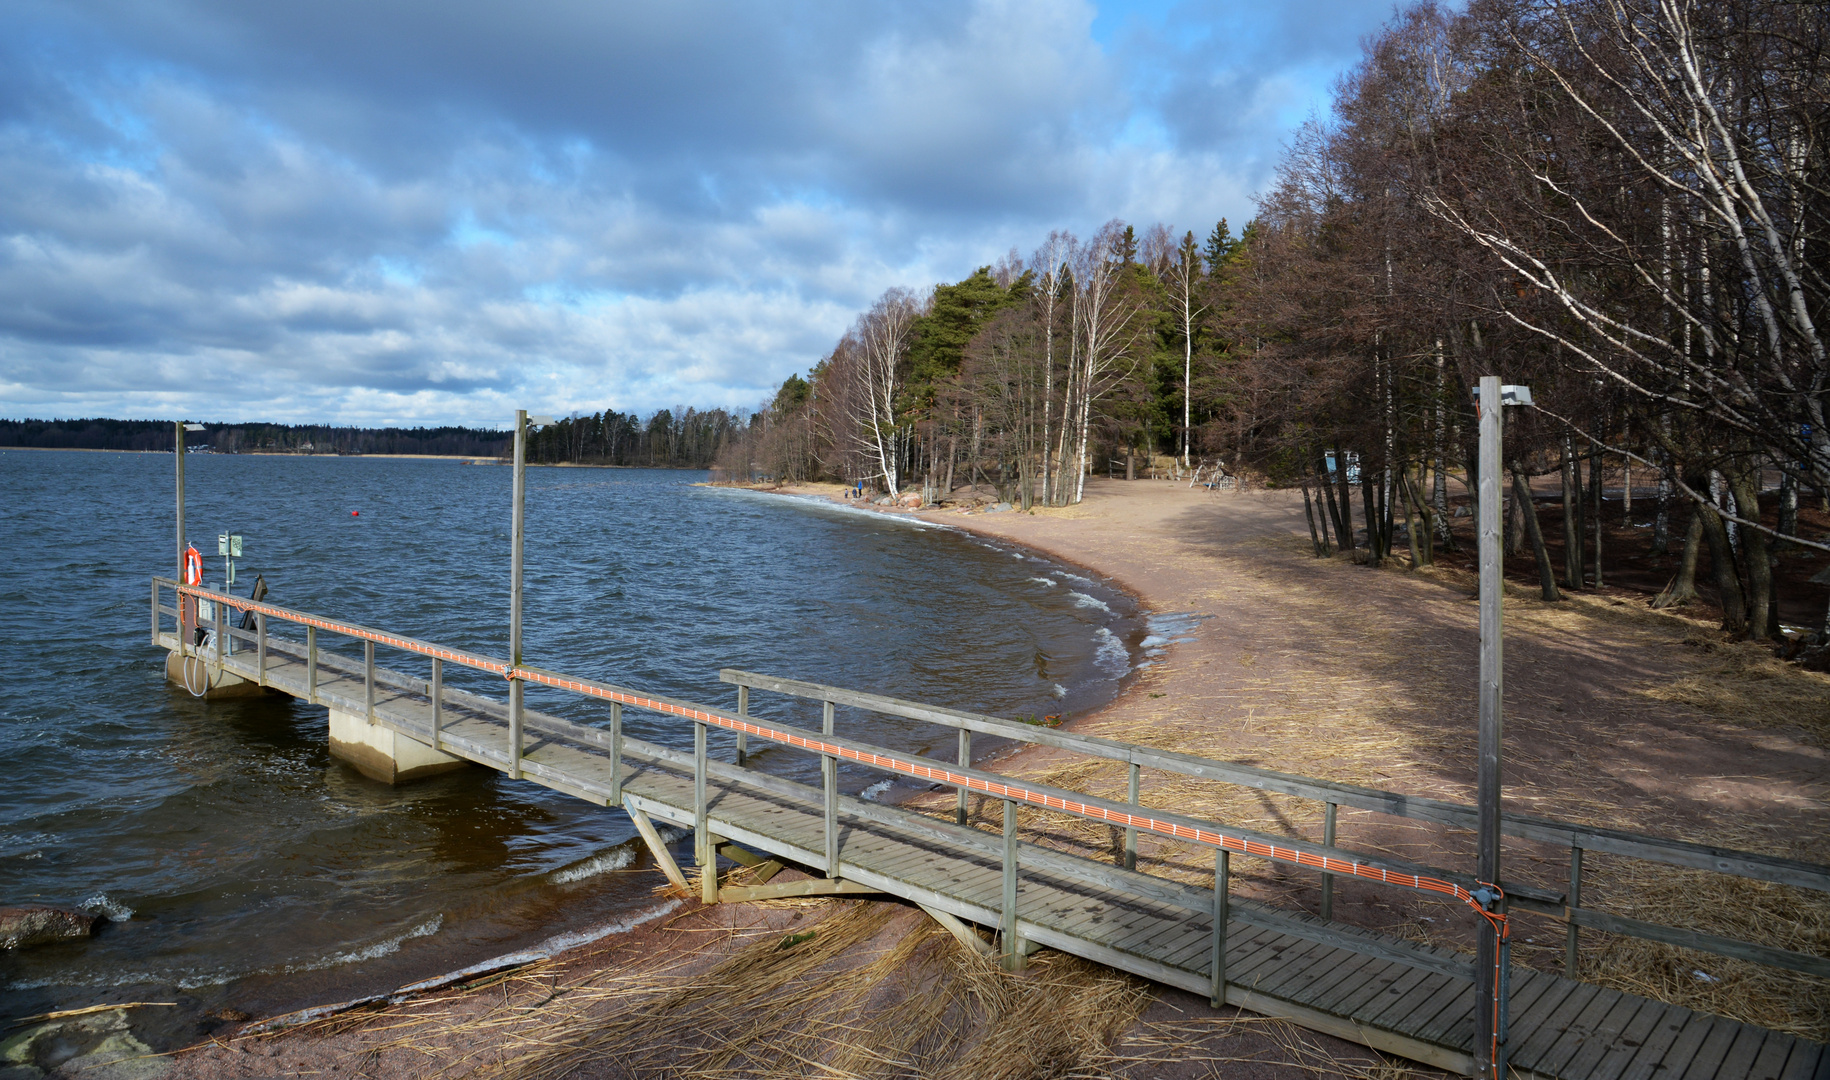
1565 907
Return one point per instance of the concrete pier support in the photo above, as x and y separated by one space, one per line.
381 753
203 673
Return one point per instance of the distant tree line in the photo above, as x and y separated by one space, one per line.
677 438
105 434
670 438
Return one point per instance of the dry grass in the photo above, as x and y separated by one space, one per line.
1745 684
824 1005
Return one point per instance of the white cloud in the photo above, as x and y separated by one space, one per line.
402 212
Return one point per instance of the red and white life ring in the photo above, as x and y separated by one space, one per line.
193 566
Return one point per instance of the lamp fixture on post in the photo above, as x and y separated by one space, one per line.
522 422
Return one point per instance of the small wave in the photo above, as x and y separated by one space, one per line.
1111 653
1050 582
112 910
870 794
370 952
615 859
1083 600
561 942
1058 690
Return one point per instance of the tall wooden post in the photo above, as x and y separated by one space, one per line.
514 596
1488 795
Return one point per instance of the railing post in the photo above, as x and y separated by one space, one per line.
703 847
616 752
743 710
1223 884
368 679
311 664
1328 879
155 613
829 777
260 647
1013 939
222 637
1571 961
965 762
515 690
1131 796
438 701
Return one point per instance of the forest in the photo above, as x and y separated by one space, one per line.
1620 204
671 438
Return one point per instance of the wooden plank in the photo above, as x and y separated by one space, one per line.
1585 1026
1679 1027
1376 973
1739 1061
1608 1034
1362 1007
1802 1061
1771 1060
1702 1065
1650 1020
1433 1020
1550 1025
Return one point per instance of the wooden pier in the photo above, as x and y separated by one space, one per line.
1370 988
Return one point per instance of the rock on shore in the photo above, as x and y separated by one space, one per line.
23 926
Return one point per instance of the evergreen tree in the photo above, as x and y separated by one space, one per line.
1220 246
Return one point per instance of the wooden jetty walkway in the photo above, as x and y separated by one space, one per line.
1374 989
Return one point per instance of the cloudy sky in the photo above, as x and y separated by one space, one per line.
435 211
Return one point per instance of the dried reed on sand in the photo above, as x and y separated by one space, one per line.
826 1002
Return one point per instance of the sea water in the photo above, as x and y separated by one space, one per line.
244 870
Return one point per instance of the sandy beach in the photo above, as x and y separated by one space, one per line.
1615 714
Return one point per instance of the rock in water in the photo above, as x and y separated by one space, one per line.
23 926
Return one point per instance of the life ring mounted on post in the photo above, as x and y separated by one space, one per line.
193 566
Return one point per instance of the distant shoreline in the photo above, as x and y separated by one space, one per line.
480 459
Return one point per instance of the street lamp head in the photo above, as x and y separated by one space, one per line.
188 426
1509 395
539 421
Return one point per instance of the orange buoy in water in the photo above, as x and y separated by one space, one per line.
355 513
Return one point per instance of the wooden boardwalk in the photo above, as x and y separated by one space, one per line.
1373 989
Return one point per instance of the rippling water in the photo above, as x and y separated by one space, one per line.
245 867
